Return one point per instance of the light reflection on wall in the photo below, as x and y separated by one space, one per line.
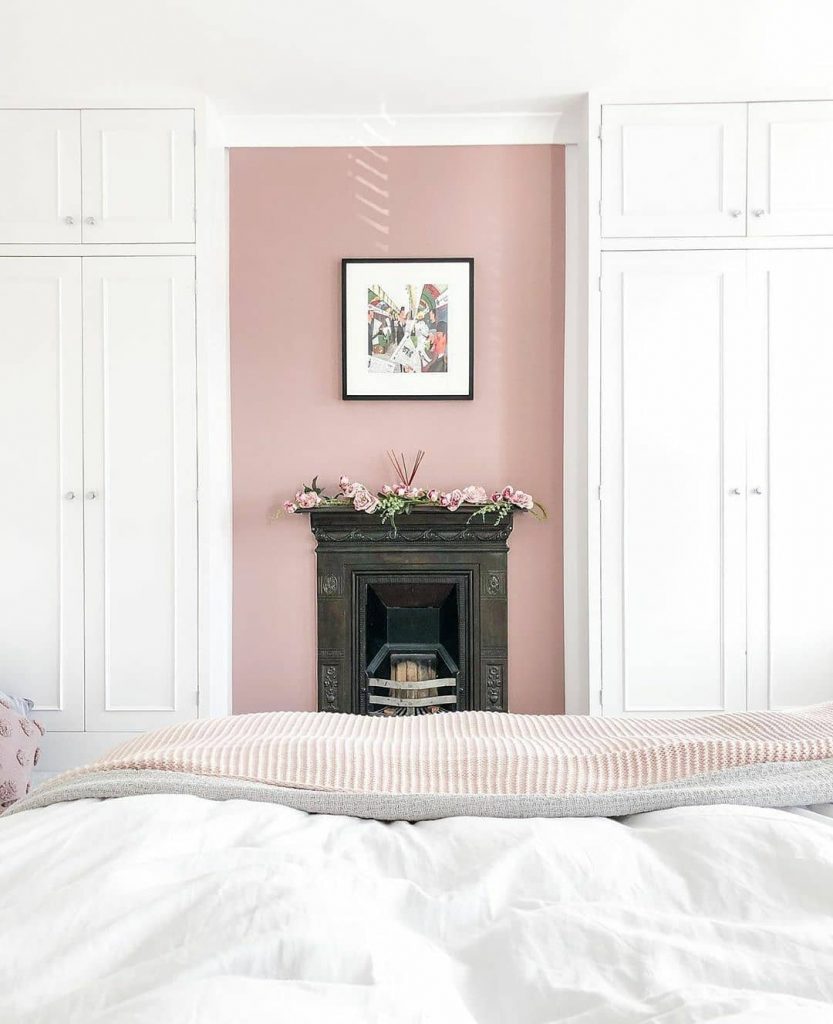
369 170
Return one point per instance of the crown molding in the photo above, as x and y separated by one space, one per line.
377 130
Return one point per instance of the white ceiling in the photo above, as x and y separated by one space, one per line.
431 56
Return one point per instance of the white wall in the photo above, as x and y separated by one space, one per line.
365 56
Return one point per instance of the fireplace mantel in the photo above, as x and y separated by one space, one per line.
430 547
430 525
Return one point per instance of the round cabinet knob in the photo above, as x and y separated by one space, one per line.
89 220
69 220
757 213
92 495
70 496
735 491
735 213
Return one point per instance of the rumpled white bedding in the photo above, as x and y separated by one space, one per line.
175 909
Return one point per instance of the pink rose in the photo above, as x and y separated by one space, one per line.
452 500
290 506
387 489
400 491
433 495
348 488
307 499
507 493
497 496
474 495
364 501
521 499
414 492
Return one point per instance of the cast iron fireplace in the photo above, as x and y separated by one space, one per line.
412 619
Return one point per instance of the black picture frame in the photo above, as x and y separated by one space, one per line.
348 353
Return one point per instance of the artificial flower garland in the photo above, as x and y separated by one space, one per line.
394 500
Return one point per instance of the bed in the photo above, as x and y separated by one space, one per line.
469 872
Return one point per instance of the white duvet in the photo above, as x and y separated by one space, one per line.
174 909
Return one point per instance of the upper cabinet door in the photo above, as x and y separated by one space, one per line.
790 160
41 469
138 182
40 176
674 170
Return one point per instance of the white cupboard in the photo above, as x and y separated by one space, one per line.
40 176
673 478
41 469
140 492
718 170
790 159
716 501
675 169
138 175
98 598
98 421
97 176
790 484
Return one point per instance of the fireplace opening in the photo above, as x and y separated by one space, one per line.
413 646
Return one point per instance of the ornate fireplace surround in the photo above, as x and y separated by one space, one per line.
362 562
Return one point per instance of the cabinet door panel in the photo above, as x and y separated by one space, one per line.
673 533
140 462
40 176
676 169
791 536
790 157
138 175
41 527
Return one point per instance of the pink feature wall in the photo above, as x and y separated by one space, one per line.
294 214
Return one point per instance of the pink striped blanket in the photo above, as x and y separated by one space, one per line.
568 763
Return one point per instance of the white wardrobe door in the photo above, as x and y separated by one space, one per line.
138 175
140 484
791 519
790 156
674 169
40 176
41 510
673 530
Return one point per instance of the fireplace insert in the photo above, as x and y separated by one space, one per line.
412 630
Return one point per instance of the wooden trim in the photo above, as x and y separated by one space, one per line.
384 129
213 418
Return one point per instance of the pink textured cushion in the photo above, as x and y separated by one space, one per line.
19 753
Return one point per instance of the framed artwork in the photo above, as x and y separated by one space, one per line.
407 328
